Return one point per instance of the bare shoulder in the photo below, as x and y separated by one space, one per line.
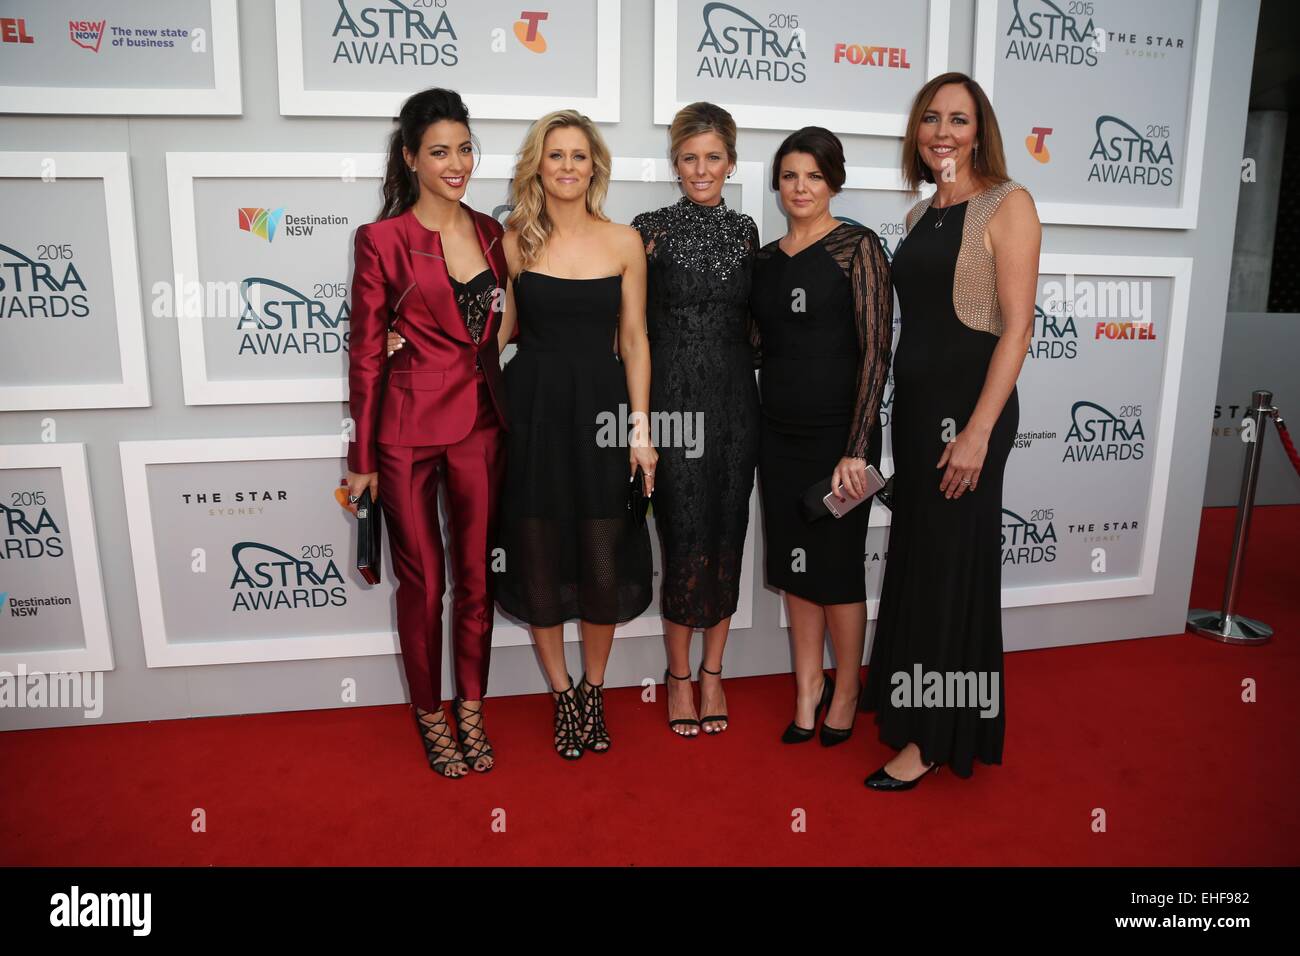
510 243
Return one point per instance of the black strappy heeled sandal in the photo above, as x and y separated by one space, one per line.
473 739
711 717
435 749
568 722
595 734
680 721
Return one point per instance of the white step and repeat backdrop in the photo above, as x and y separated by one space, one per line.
181 180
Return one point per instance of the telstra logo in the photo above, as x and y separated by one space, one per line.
1036 143
527 30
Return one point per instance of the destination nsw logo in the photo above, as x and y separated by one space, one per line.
1029 540
29 533
393 33
1096 434
35 289
1121 154
1041 32
268 579
277 319
741 48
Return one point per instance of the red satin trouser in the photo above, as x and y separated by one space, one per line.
408 488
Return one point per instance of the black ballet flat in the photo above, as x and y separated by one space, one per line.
794 734
881 780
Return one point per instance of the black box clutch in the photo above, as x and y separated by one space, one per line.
637 501
813 503
370 526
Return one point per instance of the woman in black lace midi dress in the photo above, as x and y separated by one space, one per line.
702 391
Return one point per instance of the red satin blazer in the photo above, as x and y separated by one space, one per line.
426 394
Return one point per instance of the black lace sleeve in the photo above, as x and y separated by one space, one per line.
873 309
652 229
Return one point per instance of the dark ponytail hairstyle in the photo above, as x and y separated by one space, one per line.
419 112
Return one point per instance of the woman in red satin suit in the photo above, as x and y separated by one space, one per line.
432 270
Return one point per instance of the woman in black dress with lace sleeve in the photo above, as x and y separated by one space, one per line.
823 308
700 254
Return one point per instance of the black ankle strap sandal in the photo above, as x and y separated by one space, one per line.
436 748
473 739
568 722
712 717
680 721
595 734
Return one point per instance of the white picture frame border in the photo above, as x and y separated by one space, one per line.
182 171
97 654
136 457
1182 216
119 210
296 100
224 99
754 116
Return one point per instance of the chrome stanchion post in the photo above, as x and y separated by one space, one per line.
1227 625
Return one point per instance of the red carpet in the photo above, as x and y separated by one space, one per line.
1152 731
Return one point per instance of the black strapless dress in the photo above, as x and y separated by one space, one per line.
570 547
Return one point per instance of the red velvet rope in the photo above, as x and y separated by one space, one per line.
1289 445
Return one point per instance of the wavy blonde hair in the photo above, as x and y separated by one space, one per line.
529 216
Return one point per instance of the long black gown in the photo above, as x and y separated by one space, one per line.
940 603
702 371
823 321
571 548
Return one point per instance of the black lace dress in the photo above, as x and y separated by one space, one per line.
705 400
823 322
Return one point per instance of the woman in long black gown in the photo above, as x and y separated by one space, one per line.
965 326
700 253
823 306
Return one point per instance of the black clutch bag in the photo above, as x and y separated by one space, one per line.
370 525
637 502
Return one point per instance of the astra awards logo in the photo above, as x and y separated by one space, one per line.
30 531
390 32
1097 434
1029 540
1121 154
1036 143
277 319
1041 32
86 34
527 30
269 579
741 48
14 30
1055 336
893 57
47 287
